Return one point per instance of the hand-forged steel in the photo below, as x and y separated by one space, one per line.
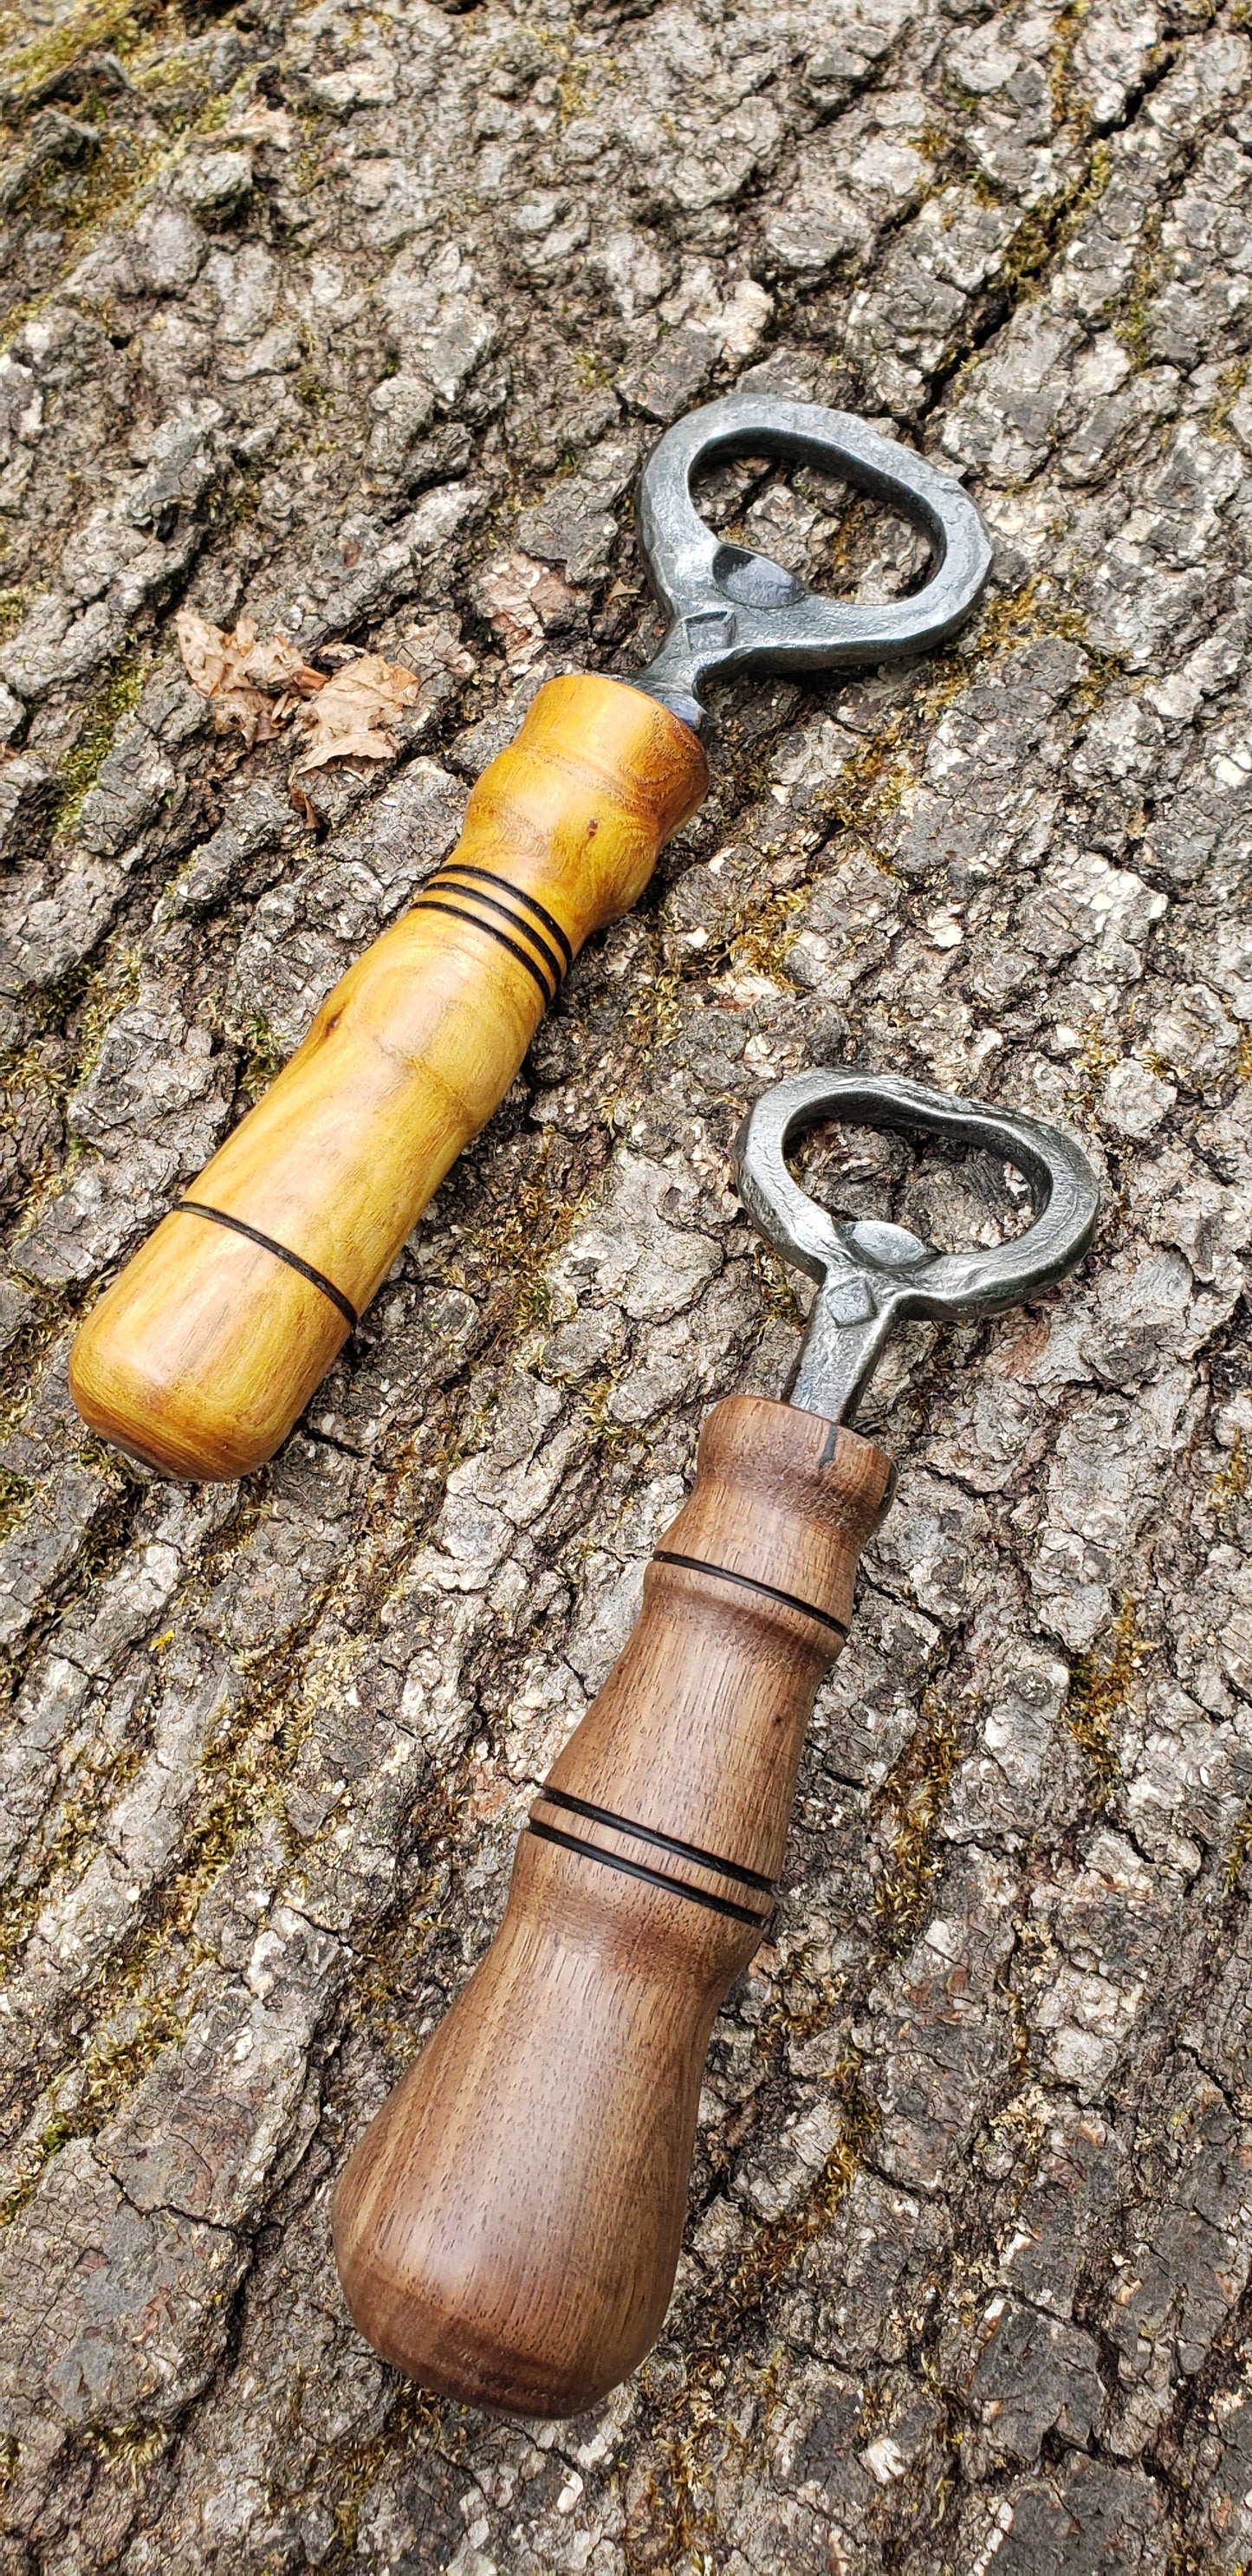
873 1275
731 609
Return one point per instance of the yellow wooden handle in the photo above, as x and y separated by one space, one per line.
509 2225
204 1352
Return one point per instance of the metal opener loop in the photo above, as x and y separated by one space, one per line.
873 1275
730 609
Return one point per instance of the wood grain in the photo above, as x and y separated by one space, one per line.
204 1352
508 2229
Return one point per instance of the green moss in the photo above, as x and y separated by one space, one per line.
20 1368
118 169
111 2069
533 1311
122 27
870 788
104 1001
605 1434
178 84
113 701
413 2417
933 142
242 1779
115 24
131 2447
1232 380
760 946
1231 1484
1047 228
1128 313
266 1055
122 167
30 2165
1027 616
308 171
911 1801
15 1494
44 1064
1099 1689
1239 1849
510 1251
969 106
1067 107
776 1282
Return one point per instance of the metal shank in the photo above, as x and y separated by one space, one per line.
731 610
872 1276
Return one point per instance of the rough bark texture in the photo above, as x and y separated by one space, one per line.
360 322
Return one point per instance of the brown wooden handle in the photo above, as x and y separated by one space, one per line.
508 2228
204 1352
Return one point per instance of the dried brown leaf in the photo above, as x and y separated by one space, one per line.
241 674
348 719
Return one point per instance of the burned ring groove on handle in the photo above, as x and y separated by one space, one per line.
750 1583
673 1886
504 885
452 890
649 1834
236 1225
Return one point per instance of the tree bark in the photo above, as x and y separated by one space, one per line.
359 327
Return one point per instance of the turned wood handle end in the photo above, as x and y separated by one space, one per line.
203 1353
200 1359
509 2227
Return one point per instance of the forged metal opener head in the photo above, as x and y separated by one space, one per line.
733 611
874 1275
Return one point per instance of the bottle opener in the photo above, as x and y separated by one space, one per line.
202 1354
508 2229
